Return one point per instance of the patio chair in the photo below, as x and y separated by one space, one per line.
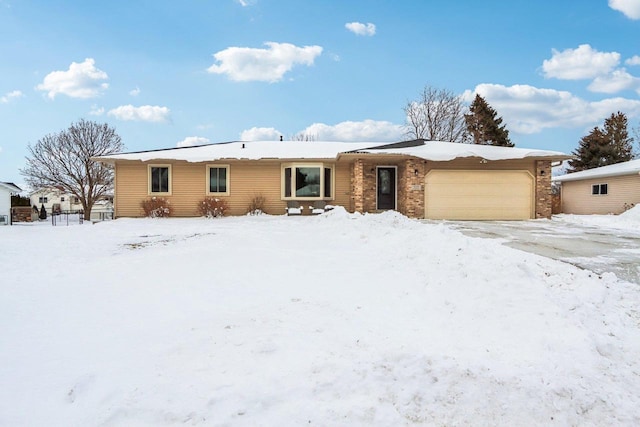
293 208
319 206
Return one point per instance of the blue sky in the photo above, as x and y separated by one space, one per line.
167 73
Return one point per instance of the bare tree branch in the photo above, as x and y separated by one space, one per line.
437 115
64 160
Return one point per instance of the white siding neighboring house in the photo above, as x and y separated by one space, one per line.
57 200
54 199
6 190
606 190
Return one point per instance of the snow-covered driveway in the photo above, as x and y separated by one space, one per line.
600 243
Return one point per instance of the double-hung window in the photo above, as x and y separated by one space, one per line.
307 181
159 179
218 179
599 189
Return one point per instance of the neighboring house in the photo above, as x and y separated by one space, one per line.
55 199
604 190
7 189
420 179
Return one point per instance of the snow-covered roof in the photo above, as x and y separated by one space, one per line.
10 186
445 151
631 167
290 150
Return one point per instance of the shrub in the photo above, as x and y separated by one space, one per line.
212 207
256 206
156 207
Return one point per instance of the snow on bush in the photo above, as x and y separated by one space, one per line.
156 207
213 207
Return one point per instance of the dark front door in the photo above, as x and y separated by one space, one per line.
386 188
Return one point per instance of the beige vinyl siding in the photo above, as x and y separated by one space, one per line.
475 163
577 197
342 185
189 184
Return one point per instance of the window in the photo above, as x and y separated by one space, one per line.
159 179
599 189
43 199
62 199
76 200
307 181
218 179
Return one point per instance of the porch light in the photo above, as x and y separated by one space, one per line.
415 172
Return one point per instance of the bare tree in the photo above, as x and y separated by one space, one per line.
303 137
437 115
65 160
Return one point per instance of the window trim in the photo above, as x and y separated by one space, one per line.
596 189
208 175
149 180
320 165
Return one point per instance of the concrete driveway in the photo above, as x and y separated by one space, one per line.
594 248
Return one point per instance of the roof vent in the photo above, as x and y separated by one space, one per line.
242 145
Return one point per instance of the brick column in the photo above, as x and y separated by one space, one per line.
543 189
357 185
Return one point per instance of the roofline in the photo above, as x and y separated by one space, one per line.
569 177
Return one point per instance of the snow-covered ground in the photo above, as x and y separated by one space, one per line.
332 320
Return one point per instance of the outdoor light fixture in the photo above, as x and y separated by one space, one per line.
415 172
541 172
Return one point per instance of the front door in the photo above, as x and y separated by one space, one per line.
386 188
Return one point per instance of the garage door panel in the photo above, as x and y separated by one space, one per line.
453 194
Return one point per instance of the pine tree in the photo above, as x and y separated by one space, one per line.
43 212
602 147
485 126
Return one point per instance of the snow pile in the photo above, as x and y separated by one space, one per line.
632 214
338 319
628 221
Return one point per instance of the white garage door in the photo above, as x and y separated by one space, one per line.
478 195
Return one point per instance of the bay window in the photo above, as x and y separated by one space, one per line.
307 181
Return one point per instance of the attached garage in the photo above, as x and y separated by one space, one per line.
479 195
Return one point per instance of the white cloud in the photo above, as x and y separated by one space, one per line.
245 3
0 149
135 92
616 81
361 29
527 109
260 134
9 96
190 141
268 65
96 111
144 113
81 80
581 63
366 130
634 60
631 8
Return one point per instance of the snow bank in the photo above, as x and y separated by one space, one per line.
628 221
338 319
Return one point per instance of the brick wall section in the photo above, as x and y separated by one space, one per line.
369 191
357 186
411 187
543 189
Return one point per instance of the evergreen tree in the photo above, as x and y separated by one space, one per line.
43 212
602 147
484 125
